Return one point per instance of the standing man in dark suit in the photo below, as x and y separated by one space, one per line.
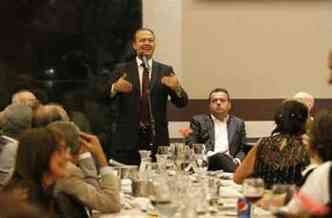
139 91
224 135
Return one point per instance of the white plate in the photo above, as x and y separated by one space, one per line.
229 193
227 175
228 213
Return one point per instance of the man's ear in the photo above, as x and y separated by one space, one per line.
133 44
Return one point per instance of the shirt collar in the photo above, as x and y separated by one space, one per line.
139 62
224 121
10 139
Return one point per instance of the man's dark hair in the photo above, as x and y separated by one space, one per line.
321 134
35 149
71 134
219 90
142 29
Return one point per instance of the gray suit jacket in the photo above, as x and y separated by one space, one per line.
203 132
83 185
7 159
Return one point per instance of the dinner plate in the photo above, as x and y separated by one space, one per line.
230 213
226 175
229 193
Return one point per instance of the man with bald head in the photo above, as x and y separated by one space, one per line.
306 99
309 101
25 97
48 113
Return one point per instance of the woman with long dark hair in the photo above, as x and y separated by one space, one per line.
41 160
281 157
315 196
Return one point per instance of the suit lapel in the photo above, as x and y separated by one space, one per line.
230 131
154 74
135 77
211 131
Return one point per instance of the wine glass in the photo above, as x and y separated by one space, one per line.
279 195
166 199
180 155
253 190
145 155
201 159
198 148
162 162
162 156
163 150
145 160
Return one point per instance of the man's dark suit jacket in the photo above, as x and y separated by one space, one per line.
125 131
203 132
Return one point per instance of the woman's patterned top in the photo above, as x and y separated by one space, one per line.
280 159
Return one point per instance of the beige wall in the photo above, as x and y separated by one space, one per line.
165 18
255 48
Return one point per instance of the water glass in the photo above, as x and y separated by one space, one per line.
145 154
162 161
166 198
199 149
163 150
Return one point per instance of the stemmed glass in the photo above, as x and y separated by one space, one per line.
201 160
180 155
163 155
163 150
166 199
253 190
279 195
145 163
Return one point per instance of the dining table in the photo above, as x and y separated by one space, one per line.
225 201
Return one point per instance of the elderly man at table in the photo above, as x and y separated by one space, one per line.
48 113
25 97
14 120
306 99
223 134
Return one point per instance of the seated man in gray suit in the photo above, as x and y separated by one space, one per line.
224 135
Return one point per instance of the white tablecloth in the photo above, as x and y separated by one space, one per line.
229 194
